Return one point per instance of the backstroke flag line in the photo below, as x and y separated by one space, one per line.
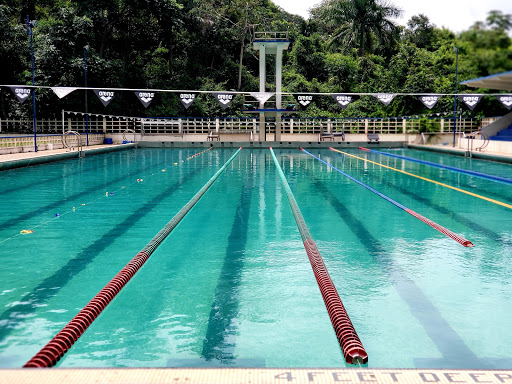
146 97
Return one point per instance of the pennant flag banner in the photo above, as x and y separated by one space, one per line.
342 100
22 93
262 97
187 99
224 98
104 96
386 98
62 91
145 97
506 100
304 100
430 100
470 100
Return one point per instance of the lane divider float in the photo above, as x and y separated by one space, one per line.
459 239
436 165
64 340
107 194
349 341
509 206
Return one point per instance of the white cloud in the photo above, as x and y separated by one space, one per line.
456 15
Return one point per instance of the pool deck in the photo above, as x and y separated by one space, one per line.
253 376
25 159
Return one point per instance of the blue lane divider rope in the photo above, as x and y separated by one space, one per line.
453 169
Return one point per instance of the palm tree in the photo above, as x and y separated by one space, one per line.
359 23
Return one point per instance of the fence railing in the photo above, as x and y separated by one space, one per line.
203 125
24 143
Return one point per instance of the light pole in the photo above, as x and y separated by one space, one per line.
456 50
86 113
31 24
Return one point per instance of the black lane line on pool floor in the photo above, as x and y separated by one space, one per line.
456 354
221 332
45 291
15 221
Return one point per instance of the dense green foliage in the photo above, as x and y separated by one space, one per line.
207 45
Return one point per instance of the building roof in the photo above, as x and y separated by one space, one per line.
501 81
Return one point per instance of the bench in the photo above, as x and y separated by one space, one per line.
373 138
212 135
327 135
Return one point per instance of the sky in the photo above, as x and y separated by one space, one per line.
456 15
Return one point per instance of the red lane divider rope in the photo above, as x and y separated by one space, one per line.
349 341
447 232
64 340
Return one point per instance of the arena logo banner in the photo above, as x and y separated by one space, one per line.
304 100
342 100
430 100
506 100
224 98
104 96
187 99
145 97
262 97
62 91
21 93
385 98
470 100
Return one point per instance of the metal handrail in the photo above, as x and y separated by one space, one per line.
78 139
132 131
271 35
473 136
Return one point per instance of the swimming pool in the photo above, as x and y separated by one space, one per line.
232 285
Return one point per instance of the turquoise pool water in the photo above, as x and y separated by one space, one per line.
232 285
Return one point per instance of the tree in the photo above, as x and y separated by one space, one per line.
497 20
359 23
420 31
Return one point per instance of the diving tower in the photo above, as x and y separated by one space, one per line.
271 43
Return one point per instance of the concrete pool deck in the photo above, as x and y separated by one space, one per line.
254 376
25 159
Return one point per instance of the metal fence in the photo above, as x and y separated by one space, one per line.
54 141
204 125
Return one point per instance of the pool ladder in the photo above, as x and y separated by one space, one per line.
71 146
471 138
